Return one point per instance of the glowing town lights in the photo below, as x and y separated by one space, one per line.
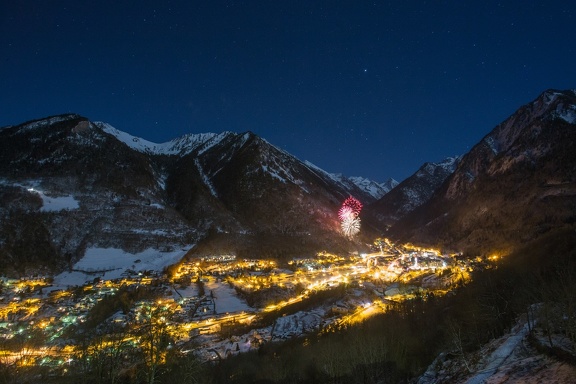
349 217
392 272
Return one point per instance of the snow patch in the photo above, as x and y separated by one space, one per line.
297 324
497 358
161 181
566 114
55 204
133 142
225 298
491 144
205 178
110 263
272 173
49 203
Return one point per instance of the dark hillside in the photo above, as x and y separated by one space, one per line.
397 346
518 183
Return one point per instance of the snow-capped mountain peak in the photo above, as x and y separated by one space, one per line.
377 190
136 143
363 185
179 146
415 190
190 142
448 165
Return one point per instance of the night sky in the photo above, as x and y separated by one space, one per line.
371 89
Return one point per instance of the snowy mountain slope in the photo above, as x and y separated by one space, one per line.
361 187
201 143
88 185
389 185
374 189
265 187
180 146
67 185
414 191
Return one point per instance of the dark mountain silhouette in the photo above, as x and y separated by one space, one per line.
516 184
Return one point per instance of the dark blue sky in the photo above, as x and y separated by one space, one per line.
370 89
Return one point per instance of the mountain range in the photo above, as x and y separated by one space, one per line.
67 184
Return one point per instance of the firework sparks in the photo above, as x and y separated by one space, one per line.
350 226
345 212
348 214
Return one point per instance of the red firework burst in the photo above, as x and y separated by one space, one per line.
353 204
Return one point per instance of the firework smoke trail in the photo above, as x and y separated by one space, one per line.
348 214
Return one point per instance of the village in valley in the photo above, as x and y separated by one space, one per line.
212 306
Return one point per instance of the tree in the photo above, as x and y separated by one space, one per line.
101 358
151 330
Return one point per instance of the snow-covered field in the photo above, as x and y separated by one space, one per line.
110 263
225 298
51 204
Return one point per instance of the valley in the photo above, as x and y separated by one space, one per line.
212 306
224 257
